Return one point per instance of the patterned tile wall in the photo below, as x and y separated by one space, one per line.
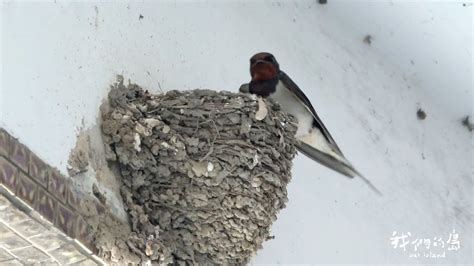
39 222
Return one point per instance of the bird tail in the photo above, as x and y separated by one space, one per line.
342 167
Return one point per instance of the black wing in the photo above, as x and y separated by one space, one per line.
344 168
317 121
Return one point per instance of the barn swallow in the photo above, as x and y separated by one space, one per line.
314 140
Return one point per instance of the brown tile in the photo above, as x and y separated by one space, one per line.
11 216
74 198
11 240
48 240
84 234
4 143
38 170
8 174
67 254
45 204
29 228
26 189
57 185
30 255
4 255
65 220
19 154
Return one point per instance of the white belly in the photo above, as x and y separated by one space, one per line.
289 103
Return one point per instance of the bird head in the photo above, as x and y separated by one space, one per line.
263 66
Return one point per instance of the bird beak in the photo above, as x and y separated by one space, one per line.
259 62
256 75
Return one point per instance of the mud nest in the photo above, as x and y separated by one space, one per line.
204 172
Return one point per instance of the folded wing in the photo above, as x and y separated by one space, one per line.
320 145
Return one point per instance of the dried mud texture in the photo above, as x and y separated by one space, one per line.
101 204
109 235
204 172
79 158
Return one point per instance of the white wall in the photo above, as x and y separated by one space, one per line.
59 58
429 41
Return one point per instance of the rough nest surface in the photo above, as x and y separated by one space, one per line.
204 172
